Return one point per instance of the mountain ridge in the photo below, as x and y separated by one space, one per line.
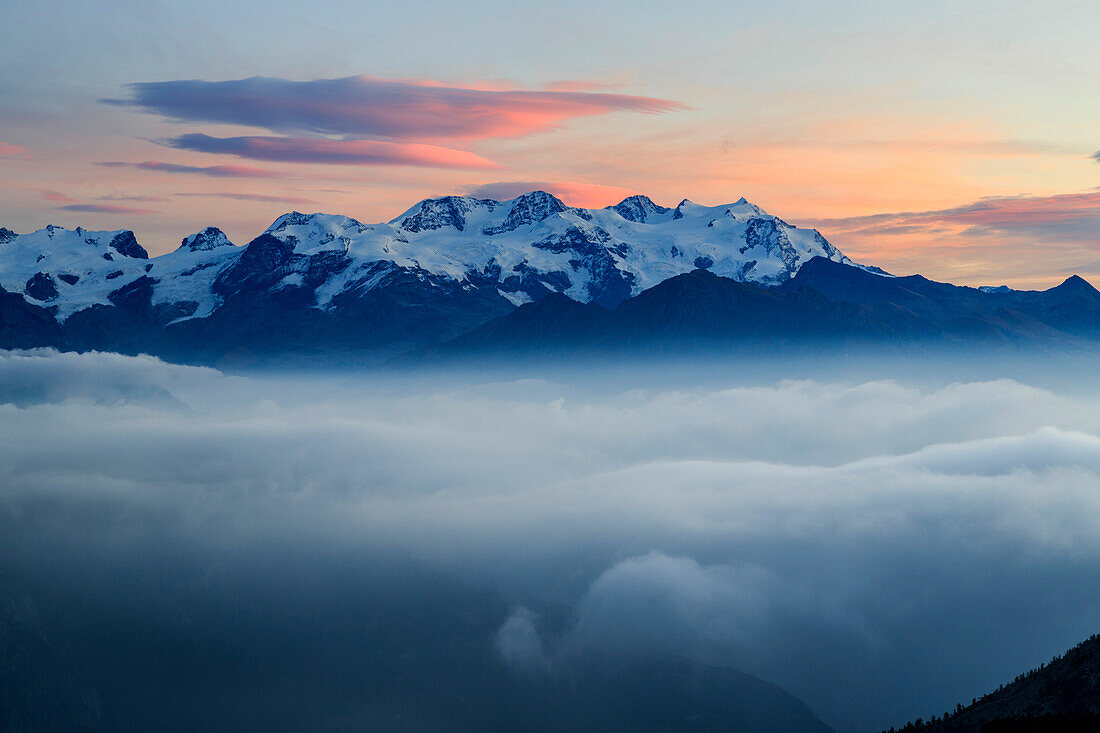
326 287
530 245
825 305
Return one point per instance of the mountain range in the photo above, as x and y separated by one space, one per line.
457 274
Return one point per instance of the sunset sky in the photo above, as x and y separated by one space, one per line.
958 140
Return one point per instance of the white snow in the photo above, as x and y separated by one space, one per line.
666 244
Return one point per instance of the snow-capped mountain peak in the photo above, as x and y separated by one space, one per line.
448 211
638 208
512 251
208 239
528 210
70 269
308 233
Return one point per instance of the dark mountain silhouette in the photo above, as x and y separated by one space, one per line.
1072 307
825 304
1060 696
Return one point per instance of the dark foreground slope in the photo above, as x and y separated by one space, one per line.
1061 696
200 659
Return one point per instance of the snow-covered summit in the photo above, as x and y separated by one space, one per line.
69 269
638 209
206 240
446 212
522 248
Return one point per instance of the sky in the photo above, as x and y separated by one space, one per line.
961 141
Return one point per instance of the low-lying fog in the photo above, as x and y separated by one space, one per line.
881 549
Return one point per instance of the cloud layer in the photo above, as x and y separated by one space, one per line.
846 539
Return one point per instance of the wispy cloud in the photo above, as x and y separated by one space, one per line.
106 209
128 197
217 171
74 204
58 197
10 150
263 198
1064 212
363 106
1029 241
340 152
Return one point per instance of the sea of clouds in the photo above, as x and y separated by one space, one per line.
881 549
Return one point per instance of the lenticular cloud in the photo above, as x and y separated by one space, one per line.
363 106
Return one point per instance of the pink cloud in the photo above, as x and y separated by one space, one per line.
1002 212
217 171
363 106
126 197
341 152
585 195
1027 210
9 150
1027 241
58 197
